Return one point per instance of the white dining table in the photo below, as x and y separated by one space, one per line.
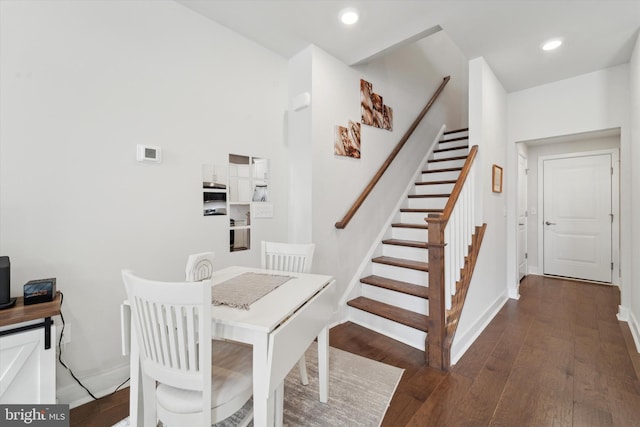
280 326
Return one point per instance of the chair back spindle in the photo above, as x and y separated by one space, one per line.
291 257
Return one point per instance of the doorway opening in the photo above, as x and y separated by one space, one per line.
571 162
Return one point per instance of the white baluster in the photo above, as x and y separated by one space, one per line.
447 271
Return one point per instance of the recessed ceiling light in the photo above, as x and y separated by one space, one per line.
349 16
551 44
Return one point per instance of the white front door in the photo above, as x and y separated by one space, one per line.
577 220
522 216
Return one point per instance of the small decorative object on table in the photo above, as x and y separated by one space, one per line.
36 291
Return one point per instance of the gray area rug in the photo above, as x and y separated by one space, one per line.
360 390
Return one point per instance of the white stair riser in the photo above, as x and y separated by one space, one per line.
398 299
439 176
454 135
462 151
399 273
445 144
397 331
405 252
427 202
418 234
434 189
447 164
414 217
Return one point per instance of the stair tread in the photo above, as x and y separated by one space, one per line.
442 170
426 210
408 243
448 181
456 131
387 311
397 285
448 159
423 196
408 225
458 147
404 263
460 138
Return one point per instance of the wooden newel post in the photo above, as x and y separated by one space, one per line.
436 335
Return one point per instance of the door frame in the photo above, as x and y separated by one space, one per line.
615 206
524 155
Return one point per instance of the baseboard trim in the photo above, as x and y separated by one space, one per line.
105 382
462 343
623 314
626 315
389 328
635 331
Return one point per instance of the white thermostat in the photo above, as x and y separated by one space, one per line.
149 154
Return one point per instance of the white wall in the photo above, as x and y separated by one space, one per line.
488 289
406 79
83 83
591 102
634 153
299 141
585 103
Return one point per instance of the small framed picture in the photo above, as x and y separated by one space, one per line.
496 180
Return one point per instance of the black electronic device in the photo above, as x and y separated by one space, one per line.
36 291
5 283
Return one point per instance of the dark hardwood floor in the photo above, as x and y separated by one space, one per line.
556 357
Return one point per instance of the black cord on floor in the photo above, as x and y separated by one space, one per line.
68 368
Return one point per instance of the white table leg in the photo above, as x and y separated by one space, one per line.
263 402
279 402
323 364
302 367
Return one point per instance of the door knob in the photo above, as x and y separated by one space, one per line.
550 223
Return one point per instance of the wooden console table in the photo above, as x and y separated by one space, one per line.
28 352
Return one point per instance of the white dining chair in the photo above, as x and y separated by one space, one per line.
199 266
293 257
184 382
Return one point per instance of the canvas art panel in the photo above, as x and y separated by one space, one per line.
378 106
366 105
347 140
373 110
387 118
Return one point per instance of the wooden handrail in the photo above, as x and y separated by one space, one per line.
457 188
360 200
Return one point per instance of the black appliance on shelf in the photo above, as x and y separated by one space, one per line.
5 283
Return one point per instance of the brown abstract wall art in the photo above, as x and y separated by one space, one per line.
374 112
347 140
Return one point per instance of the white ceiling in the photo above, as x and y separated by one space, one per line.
508 34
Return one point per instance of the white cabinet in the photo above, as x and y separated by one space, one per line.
27 366
239 183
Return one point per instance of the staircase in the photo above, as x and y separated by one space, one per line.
394 296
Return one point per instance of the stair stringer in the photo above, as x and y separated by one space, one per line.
354 289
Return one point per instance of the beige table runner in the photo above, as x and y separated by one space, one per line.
243 290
